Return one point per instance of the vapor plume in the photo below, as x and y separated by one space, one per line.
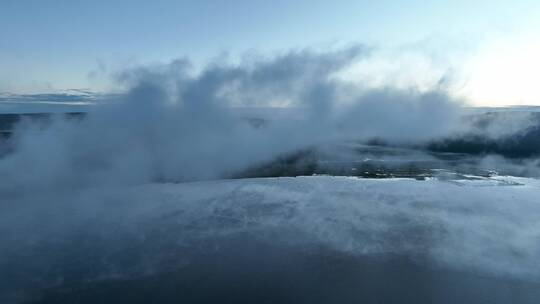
174 124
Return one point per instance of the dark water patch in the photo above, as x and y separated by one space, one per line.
299 163
9 121
368 161
512 134
522 145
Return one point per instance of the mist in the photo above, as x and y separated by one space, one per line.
173 124
109 177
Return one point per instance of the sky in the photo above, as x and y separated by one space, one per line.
488 47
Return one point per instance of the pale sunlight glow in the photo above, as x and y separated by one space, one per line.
505 74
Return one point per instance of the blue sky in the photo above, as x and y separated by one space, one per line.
50 45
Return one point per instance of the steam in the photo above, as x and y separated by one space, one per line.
174 124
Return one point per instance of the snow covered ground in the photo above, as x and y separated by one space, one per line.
481 226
